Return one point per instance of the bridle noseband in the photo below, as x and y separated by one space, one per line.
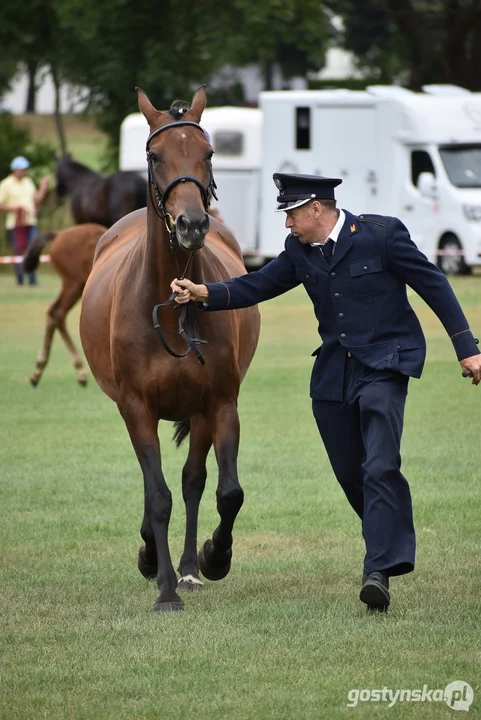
161 198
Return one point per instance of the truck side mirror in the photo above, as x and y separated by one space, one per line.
427 184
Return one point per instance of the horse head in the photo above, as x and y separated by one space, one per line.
179 158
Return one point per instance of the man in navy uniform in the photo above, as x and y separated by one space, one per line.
355 269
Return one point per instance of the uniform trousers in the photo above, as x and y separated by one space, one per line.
362 437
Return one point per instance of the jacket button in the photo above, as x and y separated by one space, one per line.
341 315
398 347
343 336
307 276
333 274
365 267
337 295
349 354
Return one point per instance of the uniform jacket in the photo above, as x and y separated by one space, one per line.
360 299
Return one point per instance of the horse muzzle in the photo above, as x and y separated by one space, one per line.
191 231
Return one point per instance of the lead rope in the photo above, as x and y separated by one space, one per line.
192 342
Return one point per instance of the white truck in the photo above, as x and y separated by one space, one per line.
413 155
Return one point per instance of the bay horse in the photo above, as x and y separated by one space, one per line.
154 377
71 254
95 198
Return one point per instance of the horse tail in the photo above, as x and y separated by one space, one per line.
32 254
182 429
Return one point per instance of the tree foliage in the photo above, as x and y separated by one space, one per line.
289 33
423 41
17 140
165 47
168 47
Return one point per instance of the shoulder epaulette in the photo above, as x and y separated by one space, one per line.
374 219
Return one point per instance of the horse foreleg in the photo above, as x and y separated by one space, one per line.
194 476
69 296
215 555
142 428
44 354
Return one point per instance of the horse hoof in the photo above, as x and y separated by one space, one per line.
33 381
209 571
191 583
167 607
82 382
146 569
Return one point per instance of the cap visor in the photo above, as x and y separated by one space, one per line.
283 207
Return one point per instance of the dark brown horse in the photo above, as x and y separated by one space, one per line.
95 198
134 265
71 254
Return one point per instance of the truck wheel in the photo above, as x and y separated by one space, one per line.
452 264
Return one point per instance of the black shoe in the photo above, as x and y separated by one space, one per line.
375 591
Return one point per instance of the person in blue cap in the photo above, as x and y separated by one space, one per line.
20 200
356 270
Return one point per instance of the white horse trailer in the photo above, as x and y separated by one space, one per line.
413 155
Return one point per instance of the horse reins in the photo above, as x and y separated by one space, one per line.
170 223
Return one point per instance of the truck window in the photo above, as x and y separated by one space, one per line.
420 162
303 128
463 164
228 142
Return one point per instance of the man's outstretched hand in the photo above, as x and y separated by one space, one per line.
473 365
187 290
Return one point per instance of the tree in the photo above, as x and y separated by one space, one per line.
26 33
429 40
290 33
164 46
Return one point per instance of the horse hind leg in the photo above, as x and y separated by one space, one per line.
215 555
194 476
69 296
44 354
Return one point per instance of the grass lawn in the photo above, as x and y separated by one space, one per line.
284 636
85 141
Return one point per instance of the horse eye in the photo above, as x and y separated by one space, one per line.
153 157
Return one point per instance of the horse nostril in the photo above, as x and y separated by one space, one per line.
182 224
205 224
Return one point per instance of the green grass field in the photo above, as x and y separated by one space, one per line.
284 636
84 140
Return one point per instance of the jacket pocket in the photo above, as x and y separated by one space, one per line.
366 279
410 352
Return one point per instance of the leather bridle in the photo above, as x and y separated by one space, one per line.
207 193
161 198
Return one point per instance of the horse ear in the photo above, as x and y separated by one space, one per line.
199 101
145 106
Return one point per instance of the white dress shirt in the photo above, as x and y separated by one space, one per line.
334 234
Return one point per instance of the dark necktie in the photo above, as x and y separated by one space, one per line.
327 249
